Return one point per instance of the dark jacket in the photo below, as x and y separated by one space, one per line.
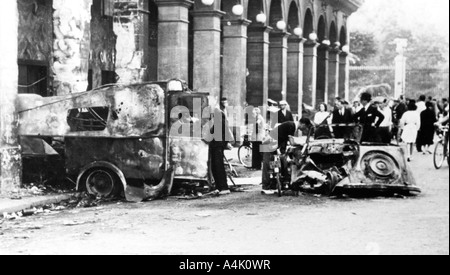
367 119
341 132
283 119
226 135
341 119
282 132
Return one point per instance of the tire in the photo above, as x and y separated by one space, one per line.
245 156
102 182
439 155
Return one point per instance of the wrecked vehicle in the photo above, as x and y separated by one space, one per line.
331 166
118 138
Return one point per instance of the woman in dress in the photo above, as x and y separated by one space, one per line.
322 114
426 133
410 125
322 117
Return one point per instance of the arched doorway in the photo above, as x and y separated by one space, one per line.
294 61
322 63
309 61
277 53
257 55
333 65
343 74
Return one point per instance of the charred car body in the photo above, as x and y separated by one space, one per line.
117 138
329 166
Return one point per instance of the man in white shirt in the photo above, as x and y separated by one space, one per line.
385 129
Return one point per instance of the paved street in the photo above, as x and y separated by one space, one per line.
247 223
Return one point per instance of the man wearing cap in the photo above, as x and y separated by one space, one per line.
284 115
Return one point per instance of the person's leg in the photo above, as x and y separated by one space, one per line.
411 150
408 151
218 168
418 143
256 155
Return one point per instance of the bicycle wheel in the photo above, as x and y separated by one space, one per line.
447 155
439 155
245 156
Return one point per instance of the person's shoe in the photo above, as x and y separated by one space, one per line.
224 192
268 192
409 159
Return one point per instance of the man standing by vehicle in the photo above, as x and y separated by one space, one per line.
222 136
341 115
284 114
385 130
368 118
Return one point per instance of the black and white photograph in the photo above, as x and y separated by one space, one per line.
224 128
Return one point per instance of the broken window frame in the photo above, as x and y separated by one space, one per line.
89 119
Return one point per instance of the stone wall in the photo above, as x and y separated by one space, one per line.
103 44
128 26
35 34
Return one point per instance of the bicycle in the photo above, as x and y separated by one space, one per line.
274 171
245 153
441 150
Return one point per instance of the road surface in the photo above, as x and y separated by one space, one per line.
247 224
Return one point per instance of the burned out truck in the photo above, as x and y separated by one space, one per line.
118 138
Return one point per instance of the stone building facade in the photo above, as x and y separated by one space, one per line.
245 50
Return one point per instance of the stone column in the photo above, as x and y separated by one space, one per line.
278 49
10 155
207 45
322 74
71 48
133 64
173 39
258 65
295 74
310 72
234 64
343 76
333 75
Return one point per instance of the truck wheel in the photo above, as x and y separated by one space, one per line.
102 182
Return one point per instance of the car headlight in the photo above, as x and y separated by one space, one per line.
175 86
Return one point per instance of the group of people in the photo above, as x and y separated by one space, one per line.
407 120
373 118
417 122
381 120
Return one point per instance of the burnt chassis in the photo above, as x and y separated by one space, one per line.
331 166
118 137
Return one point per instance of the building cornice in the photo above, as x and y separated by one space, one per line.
347 6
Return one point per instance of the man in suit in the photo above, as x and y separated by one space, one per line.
284 115
368 118
341 115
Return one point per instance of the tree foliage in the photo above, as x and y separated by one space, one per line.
427 52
